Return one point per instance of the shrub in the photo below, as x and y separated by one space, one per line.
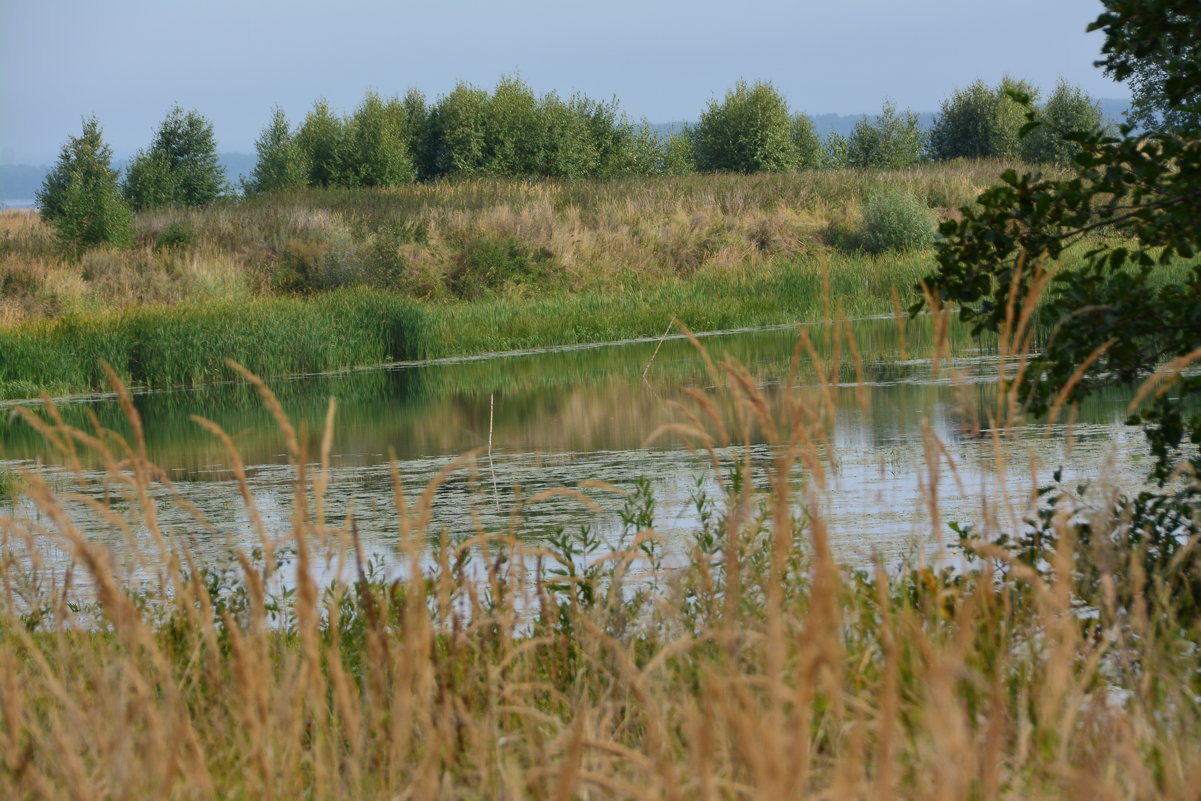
176 235
490 265
895 220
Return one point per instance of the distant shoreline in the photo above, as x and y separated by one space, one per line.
19 203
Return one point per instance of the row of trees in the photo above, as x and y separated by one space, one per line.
511 131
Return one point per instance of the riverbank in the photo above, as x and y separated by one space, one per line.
187 344
325 280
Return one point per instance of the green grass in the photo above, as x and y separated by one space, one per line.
187 345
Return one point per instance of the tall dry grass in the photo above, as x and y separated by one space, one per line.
598 235
481 665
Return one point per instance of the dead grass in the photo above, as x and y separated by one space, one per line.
605 236
489 666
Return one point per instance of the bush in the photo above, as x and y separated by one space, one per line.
176 235
488 265
896 220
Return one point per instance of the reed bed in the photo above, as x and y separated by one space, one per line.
172 346
483 664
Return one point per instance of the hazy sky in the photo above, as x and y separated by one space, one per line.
129 61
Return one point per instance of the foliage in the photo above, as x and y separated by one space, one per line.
980 122
835 151
895 220
750 130
181 166
457 125
1158 58
377 145
281 160
1115 318
178 234
807 143
488 266
890 141
322 141
1067 109
80 197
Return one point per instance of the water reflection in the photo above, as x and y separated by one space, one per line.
584 414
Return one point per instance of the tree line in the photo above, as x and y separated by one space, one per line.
512 131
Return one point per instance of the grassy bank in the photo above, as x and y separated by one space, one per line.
168 346
481 665
471 240
324 280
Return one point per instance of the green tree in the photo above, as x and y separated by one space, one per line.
80 197
377 145
514 135
417 120
890 141
677 157
834 151
322 141
1117 317
980 122
181 166
806 142
750 130
1067 109
458 125
1164 96
281 162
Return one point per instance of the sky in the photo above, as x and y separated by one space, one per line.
129 61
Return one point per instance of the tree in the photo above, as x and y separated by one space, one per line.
980 122
377 145
1149 58
281 164
322 140
459 129
890 141
807 143
181 166
80 196
1119 316
834 151
749 131
1067 109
